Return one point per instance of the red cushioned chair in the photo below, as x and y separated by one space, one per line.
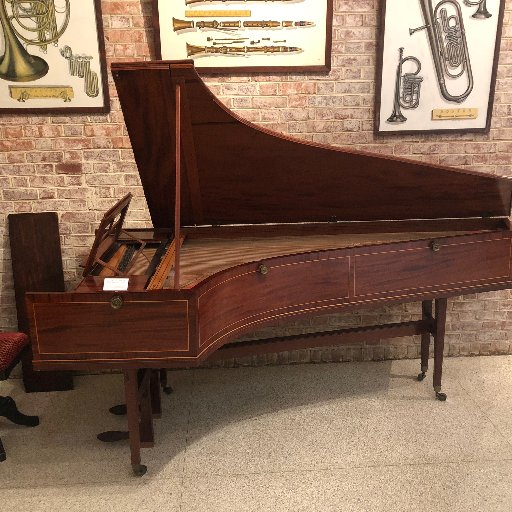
12 345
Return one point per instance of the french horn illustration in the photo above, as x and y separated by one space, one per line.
27 23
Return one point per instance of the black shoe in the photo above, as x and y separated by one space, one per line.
9 410
2 452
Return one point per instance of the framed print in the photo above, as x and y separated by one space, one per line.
437 65
245 35
52 57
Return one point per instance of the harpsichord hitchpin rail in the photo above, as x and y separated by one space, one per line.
259 229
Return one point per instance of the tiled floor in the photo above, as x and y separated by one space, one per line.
329 437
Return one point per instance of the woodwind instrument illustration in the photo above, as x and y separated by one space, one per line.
193 50
178 25
80 65
407 88
481 13
448 45
27 23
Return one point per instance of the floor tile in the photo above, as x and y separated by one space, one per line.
64 448
318 417
147 495
356 436
410 488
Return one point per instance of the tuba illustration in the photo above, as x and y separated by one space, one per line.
27 23
448 45
407 88
481 13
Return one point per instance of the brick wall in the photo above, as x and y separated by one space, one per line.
78 165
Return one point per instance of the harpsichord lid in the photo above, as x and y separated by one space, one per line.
234 172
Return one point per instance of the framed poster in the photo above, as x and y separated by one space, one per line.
437 65
245 35
52 57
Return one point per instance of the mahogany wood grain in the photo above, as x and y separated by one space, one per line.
154 328
37 266
426 315
133 413
141 325
353 335
248 174
461 260
439 332
147 435
156 403
245 295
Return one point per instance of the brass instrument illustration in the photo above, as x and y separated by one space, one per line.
190 2
448 45
407 88
238 50
27 23
481 13
25 92
178 25
80 65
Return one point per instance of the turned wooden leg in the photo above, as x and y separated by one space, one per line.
132 409
426 309
156 398
439 332
146 412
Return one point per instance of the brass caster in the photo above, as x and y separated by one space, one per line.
139 469
118 410
421 376
440 396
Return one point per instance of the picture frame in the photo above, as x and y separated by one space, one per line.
52 57
245 35
423 85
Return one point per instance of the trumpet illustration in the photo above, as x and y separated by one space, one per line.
407 88
193 50
178 25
